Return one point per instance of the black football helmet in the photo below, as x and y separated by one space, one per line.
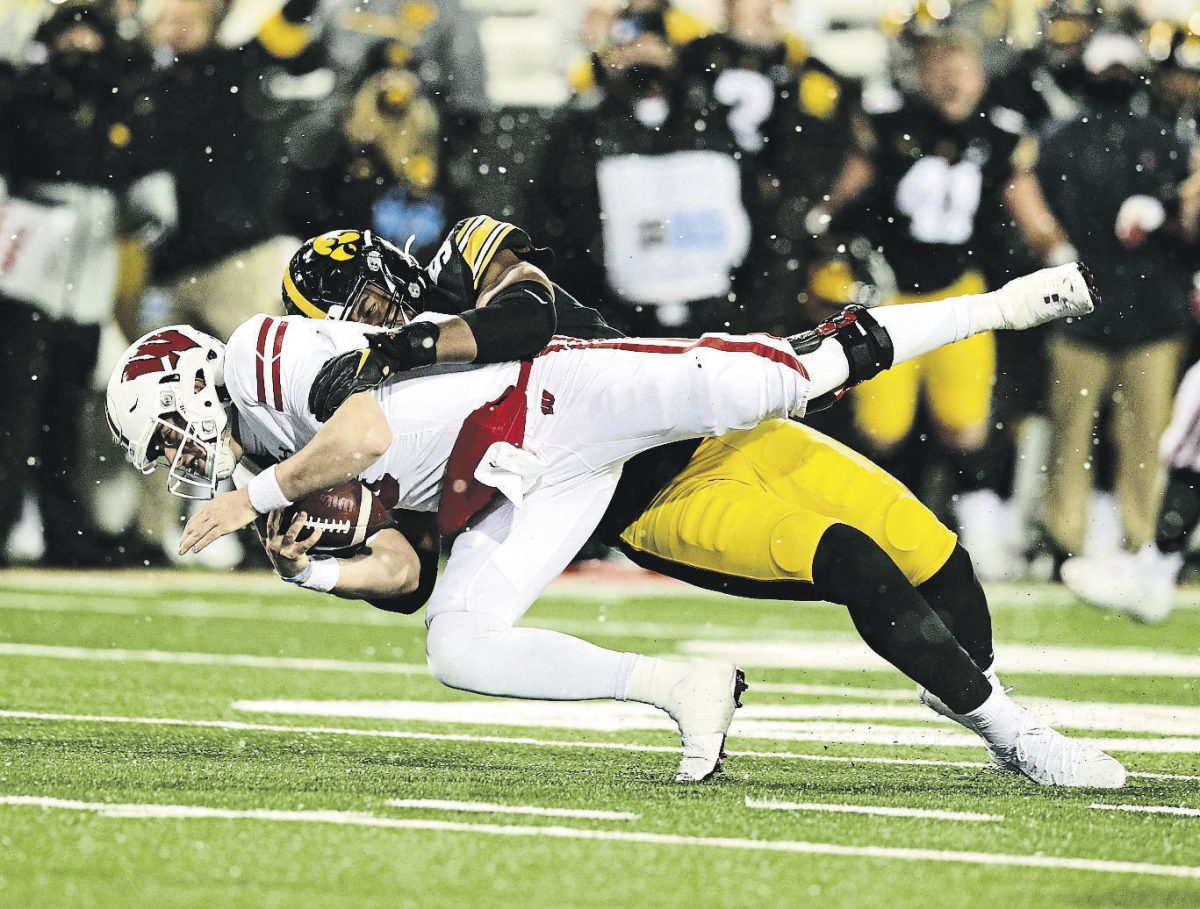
356 275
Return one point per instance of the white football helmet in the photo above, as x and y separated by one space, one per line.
168 389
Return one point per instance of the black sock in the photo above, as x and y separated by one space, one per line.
1180 510
894 619
958 598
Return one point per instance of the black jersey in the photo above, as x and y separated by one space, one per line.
934 183
457 268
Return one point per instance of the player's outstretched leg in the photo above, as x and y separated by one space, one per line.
899 625
499 566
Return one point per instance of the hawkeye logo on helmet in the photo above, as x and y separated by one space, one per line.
339 246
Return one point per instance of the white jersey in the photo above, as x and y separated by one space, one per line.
591 405
270 366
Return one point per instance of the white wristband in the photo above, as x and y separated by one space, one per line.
265 494
321 574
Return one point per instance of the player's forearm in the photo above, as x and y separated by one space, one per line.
354 438
379 572
456 341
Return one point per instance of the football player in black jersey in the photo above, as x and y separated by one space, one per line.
792 116
921 183
800 516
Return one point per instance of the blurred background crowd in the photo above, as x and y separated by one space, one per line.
714 165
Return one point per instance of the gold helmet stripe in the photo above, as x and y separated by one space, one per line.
302 303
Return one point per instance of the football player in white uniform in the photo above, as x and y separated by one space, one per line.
1142 584
551 434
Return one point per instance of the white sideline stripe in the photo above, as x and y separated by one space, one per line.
881 810
1149 809
1010 658
361 819
105 654
182 582
236 726
495 808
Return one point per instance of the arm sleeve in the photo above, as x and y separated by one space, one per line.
516 323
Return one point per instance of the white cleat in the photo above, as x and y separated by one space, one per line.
702 704
1050 758
1141 585
1018 742
1046 295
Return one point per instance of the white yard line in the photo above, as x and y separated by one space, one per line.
236 726
1149 809
800 847
105 654
495 808
1010 658
879 810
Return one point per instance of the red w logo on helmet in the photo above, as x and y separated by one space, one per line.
158 353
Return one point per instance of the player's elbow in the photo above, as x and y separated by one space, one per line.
374 440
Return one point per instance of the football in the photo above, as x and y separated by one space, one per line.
348 514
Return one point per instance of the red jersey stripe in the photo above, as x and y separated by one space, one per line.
276 383
642 345
258 360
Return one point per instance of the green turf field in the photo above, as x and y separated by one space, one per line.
223 740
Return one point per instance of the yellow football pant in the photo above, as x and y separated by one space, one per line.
754 505
957 380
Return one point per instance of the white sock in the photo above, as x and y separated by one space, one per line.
651 680
997 720
993 679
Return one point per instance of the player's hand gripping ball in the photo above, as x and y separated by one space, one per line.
346 516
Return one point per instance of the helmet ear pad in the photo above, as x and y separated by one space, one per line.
355 275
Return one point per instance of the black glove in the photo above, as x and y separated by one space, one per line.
387 353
